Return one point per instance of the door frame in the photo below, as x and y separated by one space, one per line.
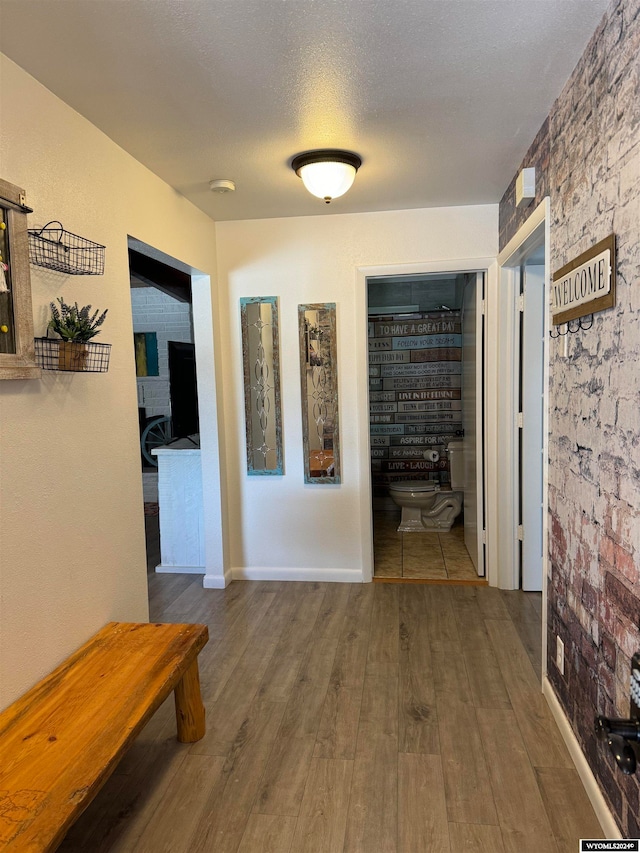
537 226
217 569
490 267
476 425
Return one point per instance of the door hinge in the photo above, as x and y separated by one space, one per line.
520 533
483 308
520 420
521 302
484 537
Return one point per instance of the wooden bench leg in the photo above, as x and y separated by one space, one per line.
189 708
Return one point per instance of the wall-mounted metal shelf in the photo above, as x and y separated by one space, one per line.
72 356
55 248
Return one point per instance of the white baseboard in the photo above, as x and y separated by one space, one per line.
600 807
180 570
268 573
216 581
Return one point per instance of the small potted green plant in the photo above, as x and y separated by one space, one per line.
75 326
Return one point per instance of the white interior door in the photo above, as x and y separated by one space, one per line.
532 423
472 417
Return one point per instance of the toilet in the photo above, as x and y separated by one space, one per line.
424 506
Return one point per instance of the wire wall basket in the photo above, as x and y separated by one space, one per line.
55 248
89 357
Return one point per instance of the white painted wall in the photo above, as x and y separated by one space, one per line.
170 319
71 517
278 527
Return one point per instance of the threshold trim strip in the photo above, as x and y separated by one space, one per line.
434 581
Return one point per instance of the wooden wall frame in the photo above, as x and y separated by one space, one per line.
20 364
596 304
261 367
319 386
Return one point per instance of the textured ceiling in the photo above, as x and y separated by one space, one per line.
441 98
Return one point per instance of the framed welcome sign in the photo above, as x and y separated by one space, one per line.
586 284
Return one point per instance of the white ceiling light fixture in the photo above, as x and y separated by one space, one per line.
328 172
221 185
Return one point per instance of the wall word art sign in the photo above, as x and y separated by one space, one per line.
587 284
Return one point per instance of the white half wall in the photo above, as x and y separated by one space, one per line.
72 551
278 526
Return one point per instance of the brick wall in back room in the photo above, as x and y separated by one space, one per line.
170 319
587 155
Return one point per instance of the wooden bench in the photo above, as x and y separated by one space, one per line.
60 742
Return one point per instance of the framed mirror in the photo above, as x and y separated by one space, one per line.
319 377
261 363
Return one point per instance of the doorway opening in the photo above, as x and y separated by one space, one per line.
426 407
522 466
161 304
523 285
530 332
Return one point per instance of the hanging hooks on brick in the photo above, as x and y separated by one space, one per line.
573 326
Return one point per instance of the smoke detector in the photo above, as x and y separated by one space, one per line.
220 185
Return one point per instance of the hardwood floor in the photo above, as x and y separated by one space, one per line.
371 718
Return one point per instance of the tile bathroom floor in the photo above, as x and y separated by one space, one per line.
423 556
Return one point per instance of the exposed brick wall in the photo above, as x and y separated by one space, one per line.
588 159
155 311
511 218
